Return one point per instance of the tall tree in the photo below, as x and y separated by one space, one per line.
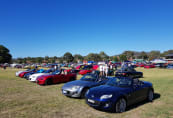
123 57
5 56
143 55
39 59
19 60
129 54
115 58
154 54
103 56
68 57
93 57
78 57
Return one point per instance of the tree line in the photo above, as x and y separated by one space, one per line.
6 57
102 56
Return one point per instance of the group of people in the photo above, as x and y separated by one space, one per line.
106 69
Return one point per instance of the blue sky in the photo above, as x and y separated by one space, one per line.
52 27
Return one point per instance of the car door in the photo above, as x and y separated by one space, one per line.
58 78
67 77
137 92
61 78
134 95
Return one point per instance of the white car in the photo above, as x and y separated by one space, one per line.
33 77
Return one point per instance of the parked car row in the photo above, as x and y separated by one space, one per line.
106 93
47 77
155 65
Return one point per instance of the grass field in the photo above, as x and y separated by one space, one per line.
20 98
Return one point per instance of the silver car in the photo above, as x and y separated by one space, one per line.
78 88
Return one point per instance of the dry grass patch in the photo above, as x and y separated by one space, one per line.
20 98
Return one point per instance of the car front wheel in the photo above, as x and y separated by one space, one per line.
120 105
48 81
84 92
150 96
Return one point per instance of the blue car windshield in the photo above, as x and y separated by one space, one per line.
120 82
47 71
56 72
89 77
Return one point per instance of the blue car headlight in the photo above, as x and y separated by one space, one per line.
75 88
106 96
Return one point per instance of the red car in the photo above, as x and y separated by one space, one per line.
25 72
56 77
83 72
149 66
140 65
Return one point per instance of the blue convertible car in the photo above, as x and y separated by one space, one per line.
118 93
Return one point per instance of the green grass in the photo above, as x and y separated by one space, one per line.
20 98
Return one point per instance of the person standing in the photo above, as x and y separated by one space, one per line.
55 67
106 70
101 70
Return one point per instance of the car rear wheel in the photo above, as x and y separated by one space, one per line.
120 105
48 81
150 95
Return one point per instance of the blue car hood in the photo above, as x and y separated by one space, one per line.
106 90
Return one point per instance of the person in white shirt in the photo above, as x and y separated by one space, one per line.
101 70
106 68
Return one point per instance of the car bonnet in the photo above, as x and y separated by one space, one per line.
106 90
79 83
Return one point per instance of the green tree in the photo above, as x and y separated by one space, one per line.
123 57
68 57
19 60
115 58
128 54
39 59
154 55
5 56
103 56
143 55
78 57
93 57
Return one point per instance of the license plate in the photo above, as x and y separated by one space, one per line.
91 101
65 92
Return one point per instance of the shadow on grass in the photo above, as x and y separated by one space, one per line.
156 96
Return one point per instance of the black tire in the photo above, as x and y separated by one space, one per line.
120 105
48 81
84 92
150 95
